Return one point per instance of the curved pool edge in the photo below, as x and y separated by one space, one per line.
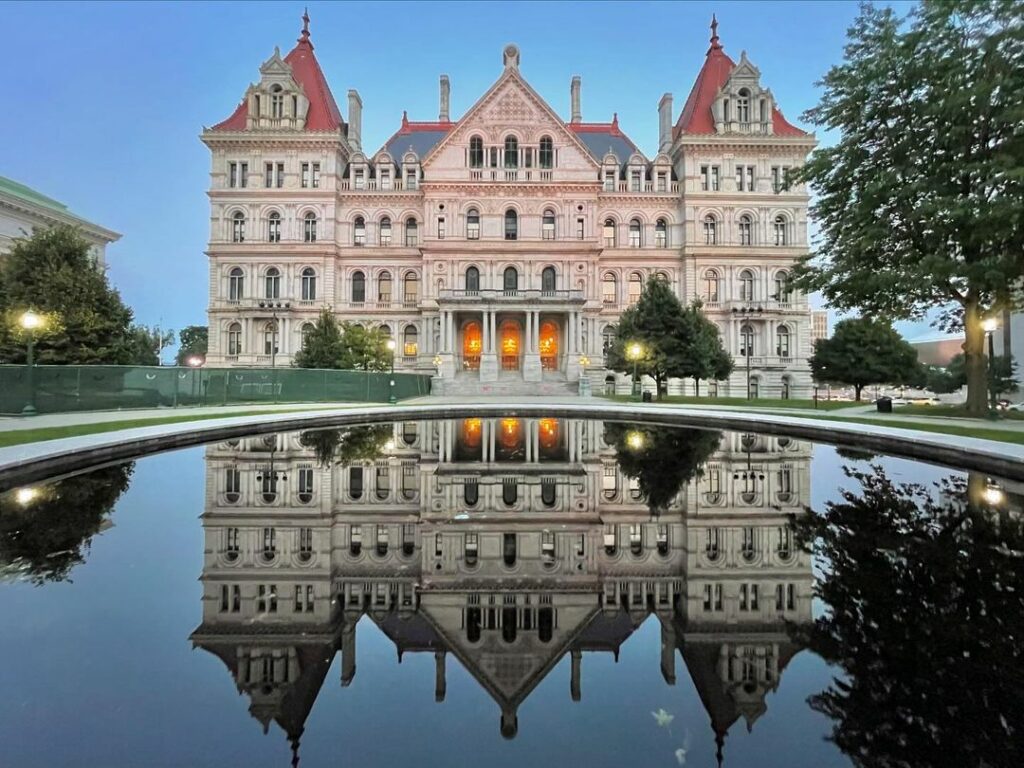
31 462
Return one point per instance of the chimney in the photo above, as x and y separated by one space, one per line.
446 89
355 120
574 97
665 123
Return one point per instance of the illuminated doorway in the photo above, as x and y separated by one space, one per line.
509 335
549 345
510 444
472 345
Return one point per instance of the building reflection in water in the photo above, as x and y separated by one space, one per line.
508 544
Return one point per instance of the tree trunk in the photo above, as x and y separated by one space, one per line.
856 391
974 360
657 387
696 386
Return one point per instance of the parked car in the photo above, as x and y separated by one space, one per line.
924 401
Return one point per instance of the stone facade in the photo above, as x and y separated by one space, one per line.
509 544
499 249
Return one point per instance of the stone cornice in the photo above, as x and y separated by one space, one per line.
49 216
259 139
511 189
742 142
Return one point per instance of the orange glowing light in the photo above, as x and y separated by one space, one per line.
511 432
548 433
472 432
509 339
472 339
548 338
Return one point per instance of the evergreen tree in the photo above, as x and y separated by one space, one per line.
919 201
322 346
864 351
194 341
52 272
365 349
144 344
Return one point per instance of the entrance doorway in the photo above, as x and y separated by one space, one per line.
511 347
472 344
549 345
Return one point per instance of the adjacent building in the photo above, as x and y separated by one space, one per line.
507 545
500 247
23 209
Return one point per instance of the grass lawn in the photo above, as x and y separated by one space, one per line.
20 436
966 430
765 402
952 411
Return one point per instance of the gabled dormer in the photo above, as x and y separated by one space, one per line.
741 104
276 101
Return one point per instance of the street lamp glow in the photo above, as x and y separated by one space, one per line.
993 495
634 351
389 445
195 362
635 440
25 496
30 321
390 345
990 324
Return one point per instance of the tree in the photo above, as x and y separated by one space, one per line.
364 349
919 200
43 538
923 595
703 354
52 272
344 446
322 346
194 342
661 459
864 351
942 381
1001 375
145 344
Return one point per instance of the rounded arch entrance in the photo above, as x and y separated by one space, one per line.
549 343
510 344
472 345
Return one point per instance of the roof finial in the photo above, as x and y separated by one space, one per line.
405 118
305 26
715 45
615 119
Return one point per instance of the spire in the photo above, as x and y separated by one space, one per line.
295 751
715 45
720 743
304 37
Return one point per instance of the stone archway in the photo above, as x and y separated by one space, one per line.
510 340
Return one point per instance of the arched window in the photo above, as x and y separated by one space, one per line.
636 287
307 328
384 289
358 287
547 228
746 285
547 152
476 152
609 288
661 234
236 284
272 283
780 230
411 289
511 225
309 228
276 102
238 227
710 230
746 341
274 227
270 339
472 224
235 339
609 233
511 281
410 341
511 152
783 289
385 231
359 232
608 341
309 284
635 231
743 106
712 285
547 280
782 342
472 280
411 232
746 226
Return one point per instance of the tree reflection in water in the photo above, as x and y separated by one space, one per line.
343 446
925 616
46 531
661 459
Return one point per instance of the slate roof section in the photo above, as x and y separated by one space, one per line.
599 138
421 137
323 113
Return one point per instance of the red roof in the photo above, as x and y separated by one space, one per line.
696 116
323 114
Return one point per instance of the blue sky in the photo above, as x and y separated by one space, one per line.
105 111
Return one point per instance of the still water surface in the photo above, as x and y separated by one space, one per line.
506 591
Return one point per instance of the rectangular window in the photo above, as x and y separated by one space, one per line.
440 228
410 178
705 178
528 157
750 178
243 176
266 601
494 157
359 181
232 174
280 175
634 181
662 181
305 541
305 175
385 179
580 229
268 173
224 602
231 540
739 178
315 180
609 181
714 178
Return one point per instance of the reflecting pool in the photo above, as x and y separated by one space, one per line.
504 591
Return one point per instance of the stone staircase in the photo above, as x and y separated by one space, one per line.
471 386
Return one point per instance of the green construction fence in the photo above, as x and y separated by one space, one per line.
65 388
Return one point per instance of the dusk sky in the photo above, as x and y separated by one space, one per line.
108 100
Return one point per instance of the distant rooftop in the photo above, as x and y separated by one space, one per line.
48 208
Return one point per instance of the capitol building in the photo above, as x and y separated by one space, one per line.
499 248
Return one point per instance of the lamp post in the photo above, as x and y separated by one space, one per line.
634 352
990 325
391 384
276 332
584 386
745 314
30 322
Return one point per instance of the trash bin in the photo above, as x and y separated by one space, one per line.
884 404
647 397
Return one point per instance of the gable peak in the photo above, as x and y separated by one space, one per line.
510 57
